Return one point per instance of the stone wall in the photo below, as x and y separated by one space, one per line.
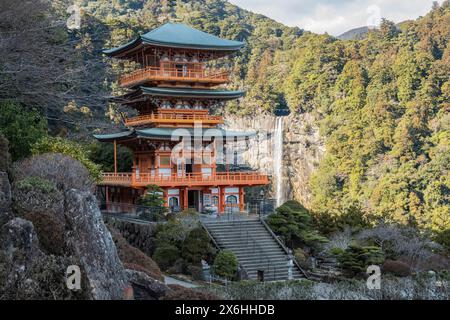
302 150
141 236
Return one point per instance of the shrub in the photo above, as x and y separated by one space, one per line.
166 256
63 171
196 246
50 231
22 128
182 293
443 238
36 183
153 197
5 156
301 257
69 148
196 272
172 232
397 268
355 259
294 224
225 264
398 241
133 258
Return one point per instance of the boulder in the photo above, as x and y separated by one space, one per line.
146 288
19 242
91 244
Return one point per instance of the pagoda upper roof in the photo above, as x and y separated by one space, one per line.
168 133
178 35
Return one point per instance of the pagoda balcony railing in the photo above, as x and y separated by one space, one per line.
189 179
173 118
172 74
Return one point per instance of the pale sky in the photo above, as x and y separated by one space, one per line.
336 16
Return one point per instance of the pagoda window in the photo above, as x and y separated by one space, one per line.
207 159
164 161
231 200
186 105
179 105
166 105
215 200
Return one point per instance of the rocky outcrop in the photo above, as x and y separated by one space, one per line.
144 287
92 245
303 148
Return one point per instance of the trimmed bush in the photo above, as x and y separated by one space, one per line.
172 232
196 246
293 223
355 259
166 256
225 264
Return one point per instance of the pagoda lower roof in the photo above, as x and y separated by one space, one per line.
168 133
178 35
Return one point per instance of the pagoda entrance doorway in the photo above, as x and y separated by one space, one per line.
194 199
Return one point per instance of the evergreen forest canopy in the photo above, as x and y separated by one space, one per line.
382 103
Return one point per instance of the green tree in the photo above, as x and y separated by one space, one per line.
21 127
196 246
225 264
293 223
153 197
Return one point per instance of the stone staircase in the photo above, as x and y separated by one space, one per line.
255 246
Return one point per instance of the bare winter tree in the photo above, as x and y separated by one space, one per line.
46 66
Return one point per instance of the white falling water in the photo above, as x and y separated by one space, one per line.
278 160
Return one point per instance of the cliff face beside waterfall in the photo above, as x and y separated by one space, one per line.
302 151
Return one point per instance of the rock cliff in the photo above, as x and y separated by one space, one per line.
302 149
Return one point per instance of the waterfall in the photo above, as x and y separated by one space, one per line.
278 160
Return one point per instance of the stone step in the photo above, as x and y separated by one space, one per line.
254 246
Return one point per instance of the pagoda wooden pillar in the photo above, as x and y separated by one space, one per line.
185 198
115 157
166 197
241 198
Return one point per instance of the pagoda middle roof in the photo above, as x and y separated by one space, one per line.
178 35
168 133
181 93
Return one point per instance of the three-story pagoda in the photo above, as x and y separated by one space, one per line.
174 139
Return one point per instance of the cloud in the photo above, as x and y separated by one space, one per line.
336 16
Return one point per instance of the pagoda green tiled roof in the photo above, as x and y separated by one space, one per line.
178 35
192 93
167 133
